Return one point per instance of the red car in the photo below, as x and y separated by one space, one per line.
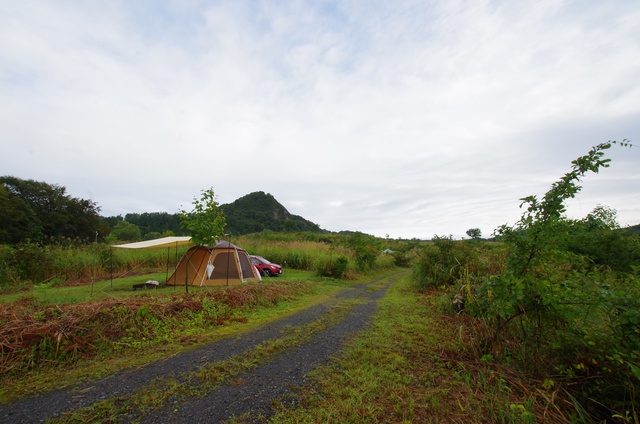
265 267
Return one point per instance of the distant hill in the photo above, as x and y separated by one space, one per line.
260 211
635 229
252 213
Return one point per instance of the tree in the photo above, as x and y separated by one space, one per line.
18 222
155 222
206 222
474 233
44 213
541 285
598 237
570 290
126 231
365 249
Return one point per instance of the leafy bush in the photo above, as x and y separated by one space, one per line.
446 262
560 308
401 259
8 278
365 249
125 231
331 267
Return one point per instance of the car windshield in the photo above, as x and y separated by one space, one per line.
263 259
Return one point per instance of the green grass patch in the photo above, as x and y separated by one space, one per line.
120 288
406 368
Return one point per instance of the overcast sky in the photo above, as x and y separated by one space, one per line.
399 118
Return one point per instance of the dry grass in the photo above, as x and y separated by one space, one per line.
36 335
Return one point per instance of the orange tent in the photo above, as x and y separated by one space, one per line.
222 265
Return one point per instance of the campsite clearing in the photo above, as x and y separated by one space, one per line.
375 351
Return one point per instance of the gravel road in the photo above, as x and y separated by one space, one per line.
271 380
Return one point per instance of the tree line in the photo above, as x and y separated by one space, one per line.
33 211
37 212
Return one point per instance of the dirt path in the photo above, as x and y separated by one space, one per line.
254 393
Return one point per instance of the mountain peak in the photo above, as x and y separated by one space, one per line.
260 211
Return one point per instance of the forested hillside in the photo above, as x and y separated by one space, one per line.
634 229
260 211
39 212
252 213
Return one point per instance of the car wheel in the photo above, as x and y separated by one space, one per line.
266 272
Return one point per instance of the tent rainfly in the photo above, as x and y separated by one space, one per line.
222 265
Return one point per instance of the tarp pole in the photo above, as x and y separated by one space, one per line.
176 266
111 260
186 275
204 275
166 277
239 267
229 253
186 272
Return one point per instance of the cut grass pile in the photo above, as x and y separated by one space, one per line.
34 335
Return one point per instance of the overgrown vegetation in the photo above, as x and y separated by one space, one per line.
415 365
62 333
27 265
562 307
331 255
38 336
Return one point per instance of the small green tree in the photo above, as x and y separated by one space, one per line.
365 249
206 222
474 233
443 262
542 284
126 231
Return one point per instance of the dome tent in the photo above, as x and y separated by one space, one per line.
222 265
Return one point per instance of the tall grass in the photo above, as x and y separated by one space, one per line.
325 259
297 254
30 264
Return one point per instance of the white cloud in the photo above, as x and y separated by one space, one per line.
404 118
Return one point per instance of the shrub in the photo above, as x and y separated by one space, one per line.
445 262
334 267
558 308
8 277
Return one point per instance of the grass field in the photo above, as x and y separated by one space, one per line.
39 314
121 288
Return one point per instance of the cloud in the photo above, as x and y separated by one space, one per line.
405 118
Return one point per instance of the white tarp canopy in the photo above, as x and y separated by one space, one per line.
161 242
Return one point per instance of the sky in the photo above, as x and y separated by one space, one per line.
401 119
